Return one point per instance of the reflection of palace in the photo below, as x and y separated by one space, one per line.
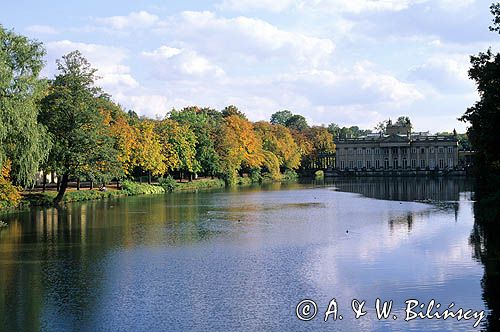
398 149
405 189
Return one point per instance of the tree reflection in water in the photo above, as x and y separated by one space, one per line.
486 242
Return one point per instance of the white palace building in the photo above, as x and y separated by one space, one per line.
398 149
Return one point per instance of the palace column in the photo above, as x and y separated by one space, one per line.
399 157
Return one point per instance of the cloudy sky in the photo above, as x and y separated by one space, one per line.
352 62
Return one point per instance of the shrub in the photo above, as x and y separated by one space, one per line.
319 174
290 175
255 176
10 195
134 188
169 184
243 181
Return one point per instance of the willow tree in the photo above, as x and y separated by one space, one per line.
82 144
23 142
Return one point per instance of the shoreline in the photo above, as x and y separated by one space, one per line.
128 188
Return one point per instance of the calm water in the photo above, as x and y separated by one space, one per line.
242 260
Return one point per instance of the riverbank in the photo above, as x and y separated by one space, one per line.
131 188
128 188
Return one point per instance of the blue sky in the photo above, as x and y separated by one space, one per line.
353 62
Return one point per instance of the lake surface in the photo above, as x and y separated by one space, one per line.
242 259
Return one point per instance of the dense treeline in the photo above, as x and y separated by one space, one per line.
484 116
70 126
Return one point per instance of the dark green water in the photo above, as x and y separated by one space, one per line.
242 260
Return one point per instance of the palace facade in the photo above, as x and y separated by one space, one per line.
397 149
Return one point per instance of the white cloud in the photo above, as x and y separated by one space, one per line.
335 6
163 52
445 72
141 19
167 61
249 39
244 5
358 6
42 30
149 105
360 85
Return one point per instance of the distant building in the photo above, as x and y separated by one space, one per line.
398 149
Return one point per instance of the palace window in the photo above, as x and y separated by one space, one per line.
377 163
405 163
377 151
422 150
432 150
413 150
351 164
432 163
450 149
360 164
342 164
422 163
441 150
413 163
360 151
368 164
450 162
441 163
386 163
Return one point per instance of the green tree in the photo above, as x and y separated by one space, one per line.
484 115
204 124
178 146
404 121
281 117
233 110
381 126
24 142
334 129
297 122
82 144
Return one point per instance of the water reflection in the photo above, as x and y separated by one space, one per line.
172 262
486 243
440 189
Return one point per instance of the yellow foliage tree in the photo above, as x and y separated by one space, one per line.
124 134
239 146
10 195
279 140
178 144
149 155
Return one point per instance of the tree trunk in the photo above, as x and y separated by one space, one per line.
91 185
149 177
77 184
117 184
62 189
44 181
58 183
52 176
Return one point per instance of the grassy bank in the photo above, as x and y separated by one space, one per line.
128 188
